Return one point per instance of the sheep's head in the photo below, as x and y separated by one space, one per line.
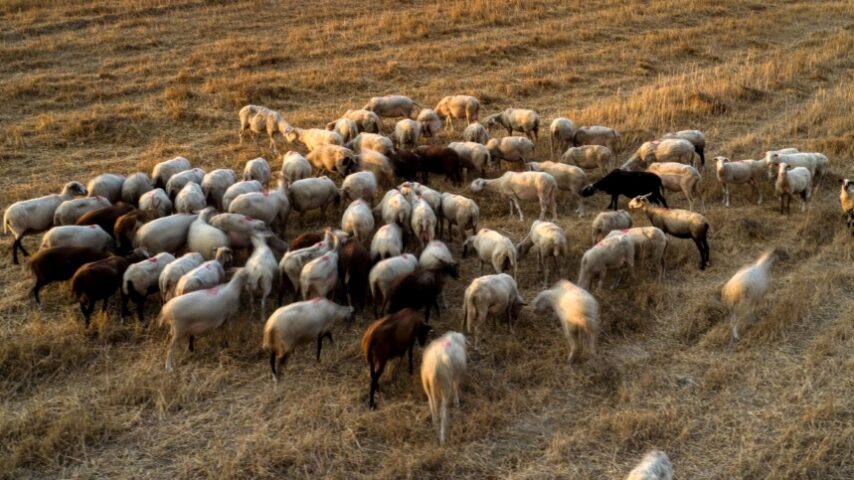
542 303
639 202
588 191
291 135
75 188
223 256
478 185
469 243
450 268
493 120
370 105
516 307
846 183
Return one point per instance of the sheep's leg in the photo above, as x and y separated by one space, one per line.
124 311
170 352
411 364
18 245
443 423
511 208
319 345
273 361
140 308
733 320
375 384
436 306
190 345
519 209
36 288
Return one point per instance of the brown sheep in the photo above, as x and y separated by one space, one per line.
106 217
127 225
100 279
57 264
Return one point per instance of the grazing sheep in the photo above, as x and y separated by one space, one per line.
476 132
319 277
407 133
436 256
607 221
141 279
78 236
99 280
190 199
490 295
216 183
385 273
271 207
387 242
669 150
173 272
677 177
238 227
791 181
258 119
516 120
204 238
678 223
420 289
311 193
510 149
649 245
816 163
164 170
589 157
156 200
181 179
547 240
846 200
58 264
696 138
358 221
347 128
201 312
463 107
739 172
406 164
378 164
389 337
473 156
578 313
517 186
207 275
359 185
294 167
440 160
442 368
423 222
237 189
106 217
395 208
412 189
655 465
69 211
332 159
569 178
164 234
392 106
134 186
597 135
107 185
611 253
293 262
494 248
312 137
429 122
745 289
263 272
560 135
354 266
257 169
300 323
127 225
366 120
629 184
35 215
460 211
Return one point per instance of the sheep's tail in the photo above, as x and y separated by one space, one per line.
6 223
365 344
506 264
270 340
128 286
468 309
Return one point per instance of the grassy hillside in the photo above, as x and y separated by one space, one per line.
97 86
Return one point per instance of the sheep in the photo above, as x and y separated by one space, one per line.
164 234
738 172
207 275
439 160
460 211
677 177
306 239
127 225
476 132
385 273
378 164
547 240
655 465
629 184
649 245
164 170
237 189
173 271
358 221
696 138
200 312
510 149
293 262
387 242
354 266
423 222
99 280
429 122
312 137
319 277
190 199
435 256
578 314
271 207
33 216
442 368
359 185
141 279
238 227
366 120
347 128
389 337
257 169
846 200
560 135
258 119
815 163
490 295
78 236
517 186
669 150
407 133
178 181
463 107
516 120
58 264
611 253
216 183
412 189
310 193
492 247
107 185
597 135
394 208
300 323
392 106
792 181
420 289
263 272
589 157
69 211
742 293
294 167
106 217
204 238
405 164
134 186
473 156
569 178
332 159
156 200
608 221
678 223
371 141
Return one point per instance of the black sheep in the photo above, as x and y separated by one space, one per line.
629 184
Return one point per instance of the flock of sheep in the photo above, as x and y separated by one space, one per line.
123 233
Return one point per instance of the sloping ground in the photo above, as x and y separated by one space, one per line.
118 86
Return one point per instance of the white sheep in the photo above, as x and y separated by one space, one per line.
597 135
816 163
347 128
258 119
319 277
611 253
201 312
516 120
378 164
412 189
423 222
312 137
611 220
190 199
204 238
490 295
678 177
69 211
294 167
371 141
392 106
134 186
493 248
476 132
743 292
407 133
437 256
429 122
358 221
215 183
300 323
181 179
164 234
92 236
510 149
271 207
366 120
473 156
207 275
649 245
464 107
589 157
311 193
237 189
156 200
561 131
359 185
394 208
578 314
257 169
667 150
387 242
460 211
238 227
263 272
332 159
569 178
33 216
442 368
696 137
655 465
173 272
385 273
164 170
547 240
517 186
678 223
846 200
141 279
792 181
739 172
107 185
292 263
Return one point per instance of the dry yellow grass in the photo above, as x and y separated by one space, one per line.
98 86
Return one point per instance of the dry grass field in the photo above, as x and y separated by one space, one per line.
96 86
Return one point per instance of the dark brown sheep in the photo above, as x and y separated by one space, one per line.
307 239
420 289
406 165
106 217
127 225
354 266
440 160
58 264
100 279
